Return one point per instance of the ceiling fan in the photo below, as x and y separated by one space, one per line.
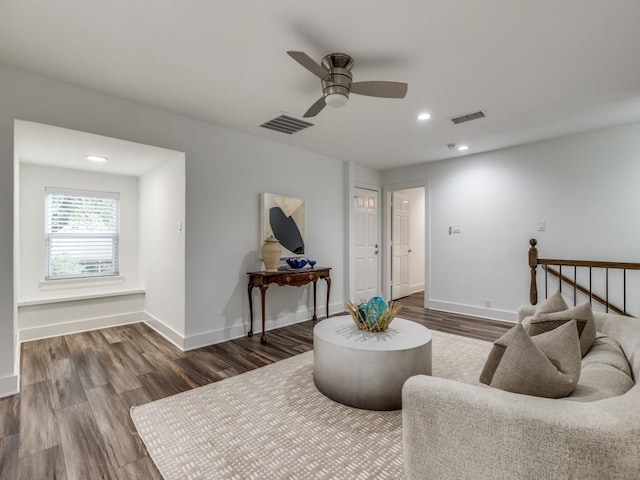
335 73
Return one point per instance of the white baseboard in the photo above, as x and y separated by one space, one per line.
240 330
215 336
492 313
183 343
8 386
419 287
166 331
78 326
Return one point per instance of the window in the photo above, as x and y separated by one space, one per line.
81 232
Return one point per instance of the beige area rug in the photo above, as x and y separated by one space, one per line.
272 423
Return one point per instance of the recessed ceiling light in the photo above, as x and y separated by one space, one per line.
96 158
424 116
463 147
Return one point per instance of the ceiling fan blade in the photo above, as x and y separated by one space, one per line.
307 62
316 108
380 89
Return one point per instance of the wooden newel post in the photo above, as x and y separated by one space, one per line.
533 265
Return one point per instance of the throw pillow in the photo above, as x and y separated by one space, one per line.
554 303
547 365
582 314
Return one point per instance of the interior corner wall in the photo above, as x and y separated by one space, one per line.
583 186
162 254
226 171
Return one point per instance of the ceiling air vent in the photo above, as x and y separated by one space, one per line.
286 124
467 117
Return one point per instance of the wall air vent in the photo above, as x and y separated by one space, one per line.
467 117
286 124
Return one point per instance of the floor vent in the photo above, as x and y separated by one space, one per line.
467 117
286 124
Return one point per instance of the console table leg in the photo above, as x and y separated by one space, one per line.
250 289
328 280
315 317
263 337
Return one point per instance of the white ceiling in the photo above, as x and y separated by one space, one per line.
538 68
60 147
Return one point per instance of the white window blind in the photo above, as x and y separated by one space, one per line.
82 232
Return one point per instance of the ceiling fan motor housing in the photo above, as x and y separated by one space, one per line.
339 66
335 74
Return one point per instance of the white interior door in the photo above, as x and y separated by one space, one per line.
367 251
400 250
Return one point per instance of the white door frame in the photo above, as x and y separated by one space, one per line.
352 241
386 221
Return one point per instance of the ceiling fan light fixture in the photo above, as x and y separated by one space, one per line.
336 100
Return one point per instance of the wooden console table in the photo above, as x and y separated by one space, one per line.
296 278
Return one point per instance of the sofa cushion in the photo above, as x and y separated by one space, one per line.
605 372
582 314
606 351
599 381
547 365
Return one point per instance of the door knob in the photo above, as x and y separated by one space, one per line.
409 250
376 252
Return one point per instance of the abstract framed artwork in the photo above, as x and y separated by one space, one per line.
285 218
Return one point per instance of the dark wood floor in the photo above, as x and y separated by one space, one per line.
474 327
71 419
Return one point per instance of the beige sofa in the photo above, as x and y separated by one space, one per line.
454 430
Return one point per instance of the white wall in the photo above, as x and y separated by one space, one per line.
162 254
45 319
225 173
33 180
416 238
224 179
584 186
39 316
366 177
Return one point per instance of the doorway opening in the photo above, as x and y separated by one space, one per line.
406 236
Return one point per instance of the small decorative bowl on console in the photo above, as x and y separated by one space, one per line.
296 262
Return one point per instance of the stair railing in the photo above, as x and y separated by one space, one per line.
548 265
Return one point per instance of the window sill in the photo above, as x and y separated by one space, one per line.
88 282
75 298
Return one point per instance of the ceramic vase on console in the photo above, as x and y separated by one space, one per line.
271 251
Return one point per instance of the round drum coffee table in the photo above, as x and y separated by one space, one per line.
367 370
